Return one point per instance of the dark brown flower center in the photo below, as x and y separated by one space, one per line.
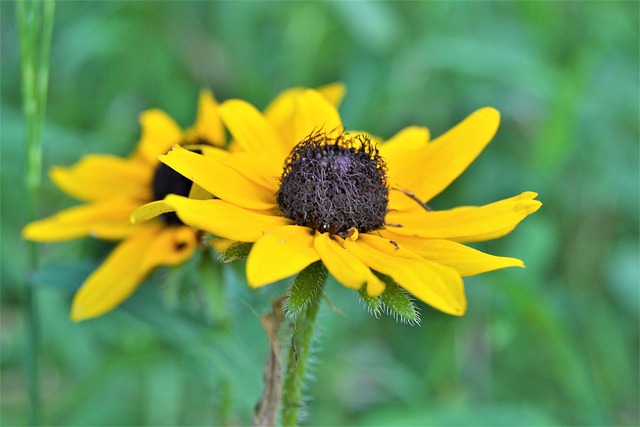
333 184
167 181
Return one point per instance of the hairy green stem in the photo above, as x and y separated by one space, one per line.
304 325
35 26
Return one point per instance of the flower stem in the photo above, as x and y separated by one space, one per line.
35 25
314 275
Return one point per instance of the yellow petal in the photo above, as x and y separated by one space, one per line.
254 169
108 219
199 193
97 177
111 231
465 260
253 133
466 224
150 211
208 125
247 164
224 219
128 265
219 179
429 171
345 267
333 92
279 254
437 285
280 111
312 113
172 246
397 149
159 133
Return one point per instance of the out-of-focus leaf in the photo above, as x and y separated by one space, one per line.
493 415
236 251
622 268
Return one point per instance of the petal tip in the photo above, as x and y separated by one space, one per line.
459 311
490 113
254 282
78 314
26 232
374 291
537 205
206 94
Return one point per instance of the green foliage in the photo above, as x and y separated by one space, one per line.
374 304
553 344
395 301
306 287
235 251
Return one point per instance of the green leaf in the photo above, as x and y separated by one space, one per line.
305 288
236 251
213 286
374 304
397 302
64 276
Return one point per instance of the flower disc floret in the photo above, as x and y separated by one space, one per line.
335 184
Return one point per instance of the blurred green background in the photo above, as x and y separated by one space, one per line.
554 344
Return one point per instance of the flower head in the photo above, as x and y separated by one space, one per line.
112 187
305 191
334 184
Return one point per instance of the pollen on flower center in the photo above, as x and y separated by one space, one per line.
167 181
333 184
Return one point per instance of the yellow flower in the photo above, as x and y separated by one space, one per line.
112 187
304 191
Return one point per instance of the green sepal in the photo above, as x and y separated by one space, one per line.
374 304
397 302
306 287
236 251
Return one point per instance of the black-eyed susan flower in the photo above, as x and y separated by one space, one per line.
305 191
112 187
